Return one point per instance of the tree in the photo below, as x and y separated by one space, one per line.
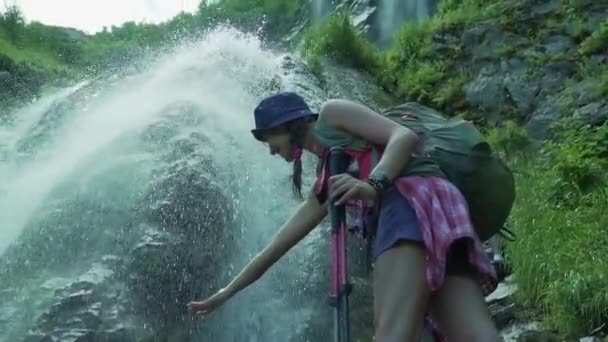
13 23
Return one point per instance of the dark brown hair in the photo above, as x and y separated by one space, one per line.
297 130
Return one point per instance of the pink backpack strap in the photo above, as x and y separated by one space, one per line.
320 183
366 160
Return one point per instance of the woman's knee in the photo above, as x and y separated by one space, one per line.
400 293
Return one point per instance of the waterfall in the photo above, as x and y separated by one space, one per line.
393 13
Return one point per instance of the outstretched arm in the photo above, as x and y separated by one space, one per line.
306 217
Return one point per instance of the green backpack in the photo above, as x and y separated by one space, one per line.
460 153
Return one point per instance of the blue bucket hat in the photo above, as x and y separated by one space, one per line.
277 110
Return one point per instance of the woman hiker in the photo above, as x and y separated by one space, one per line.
428 260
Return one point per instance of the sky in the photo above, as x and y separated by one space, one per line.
92 15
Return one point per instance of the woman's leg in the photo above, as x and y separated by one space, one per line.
459 307
401 293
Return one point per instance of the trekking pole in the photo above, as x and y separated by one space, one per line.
341 288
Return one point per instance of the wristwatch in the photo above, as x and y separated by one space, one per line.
379 181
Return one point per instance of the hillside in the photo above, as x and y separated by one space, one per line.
34 54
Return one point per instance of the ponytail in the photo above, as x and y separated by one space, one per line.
296 178
297 130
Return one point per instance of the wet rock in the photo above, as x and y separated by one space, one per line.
362 14
545 8
582 92
599 59
486 92
76 335
501 305
590 339
597 16
555 76
113 262
88 309
182 247
514 332
537 336
155 272
288 63
541 119
503 292
558 43
521 85
39 337
595 113
4 76
510 83
483 40
445 43
504 315
141 275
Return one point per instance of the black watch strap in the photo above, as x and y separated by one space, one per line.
379 182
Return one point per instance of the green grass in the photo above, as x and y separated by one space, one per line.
558 256
596 42
408 68
37 58
451 92
337 39
561 220
466 12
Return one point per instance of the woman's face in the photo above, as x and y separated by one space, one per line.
278 142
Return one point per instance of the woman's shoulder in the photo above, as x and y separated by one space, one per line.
336 108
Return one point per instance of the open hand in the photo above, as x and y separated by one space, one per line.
346 187
210 304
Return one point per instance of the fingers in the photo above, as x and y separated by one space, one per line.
195 304
198 307
339 189
347 196
339 178
208 305
338 184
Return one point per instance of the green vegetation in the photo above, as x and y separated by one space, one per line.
336 39
562 225
597 42
56 49
32 53
32 44
596 72
409 68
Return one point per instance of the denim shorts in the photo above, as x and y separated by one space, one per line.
397 222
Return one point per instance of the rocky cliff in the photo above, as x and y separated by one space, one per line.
530 61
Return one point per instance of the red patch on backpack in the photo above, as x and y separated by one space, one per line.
408 116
